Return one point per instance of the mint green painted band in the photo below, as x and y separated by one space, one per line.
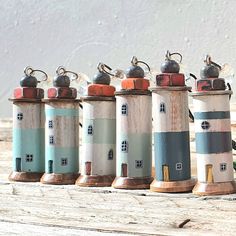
61 112
55 154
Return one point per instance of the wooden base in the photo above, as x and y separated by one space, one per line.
57 179
205 189
173 186
132 183
95 180
25 176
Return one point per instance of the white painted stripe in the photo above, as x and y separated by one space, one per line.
98 155
219 125
31 115
211 103
99 109
215 160
175 118
139 114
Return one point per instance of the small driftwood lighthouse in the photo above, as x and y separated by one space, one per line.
28 129
99 132
171 130
213 133
61 131
133 131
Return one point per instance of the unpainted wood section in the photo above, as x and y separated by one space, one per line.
124 170
165 171
209 173
88 168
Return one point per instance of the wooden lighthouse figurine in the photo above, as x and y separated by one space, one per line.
133 129
171 130
213 133
28 129
99 132
61 131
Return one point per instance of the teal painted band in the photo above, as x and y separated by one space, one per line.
56 154
28 142
213 142
171 148
99 131
212 115
61 112
139 148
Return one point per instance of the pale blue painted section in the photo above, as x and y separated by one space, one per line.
104 131
56 154
29 141
213 142
171 148
212 115
139 149
61 112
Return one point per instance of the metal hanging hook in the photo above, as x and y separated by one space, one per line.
62 71
168 55
103 68
208 61
135 61
29 71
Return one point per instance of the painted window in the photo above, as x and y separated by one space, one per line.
20 116
29 157
178 166
50 124
90 130
163 107
51 139
124 109
124 146
64 161
110 154
138 164
223 166
205 125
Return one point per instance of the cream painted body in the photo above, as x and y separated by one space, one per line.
65 129
139 112
94 152
33 115
175 118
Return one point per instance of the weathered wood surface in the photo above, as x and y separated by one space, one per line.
36 209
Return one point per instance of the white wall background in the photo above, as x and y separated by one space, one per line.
80 33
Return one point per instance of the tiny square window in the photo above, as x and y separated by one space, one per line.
110 154
162 107
124 146
124 109
51 139
178 166
50 124
138 164
90 130
223 166
64 161
20 116
29 157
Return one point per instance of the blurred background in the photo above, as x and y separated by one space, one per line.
80 33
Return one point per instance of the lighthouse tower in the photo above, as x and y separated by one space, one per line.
28 129
133 131
99 134
213 133
61 131
171 130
